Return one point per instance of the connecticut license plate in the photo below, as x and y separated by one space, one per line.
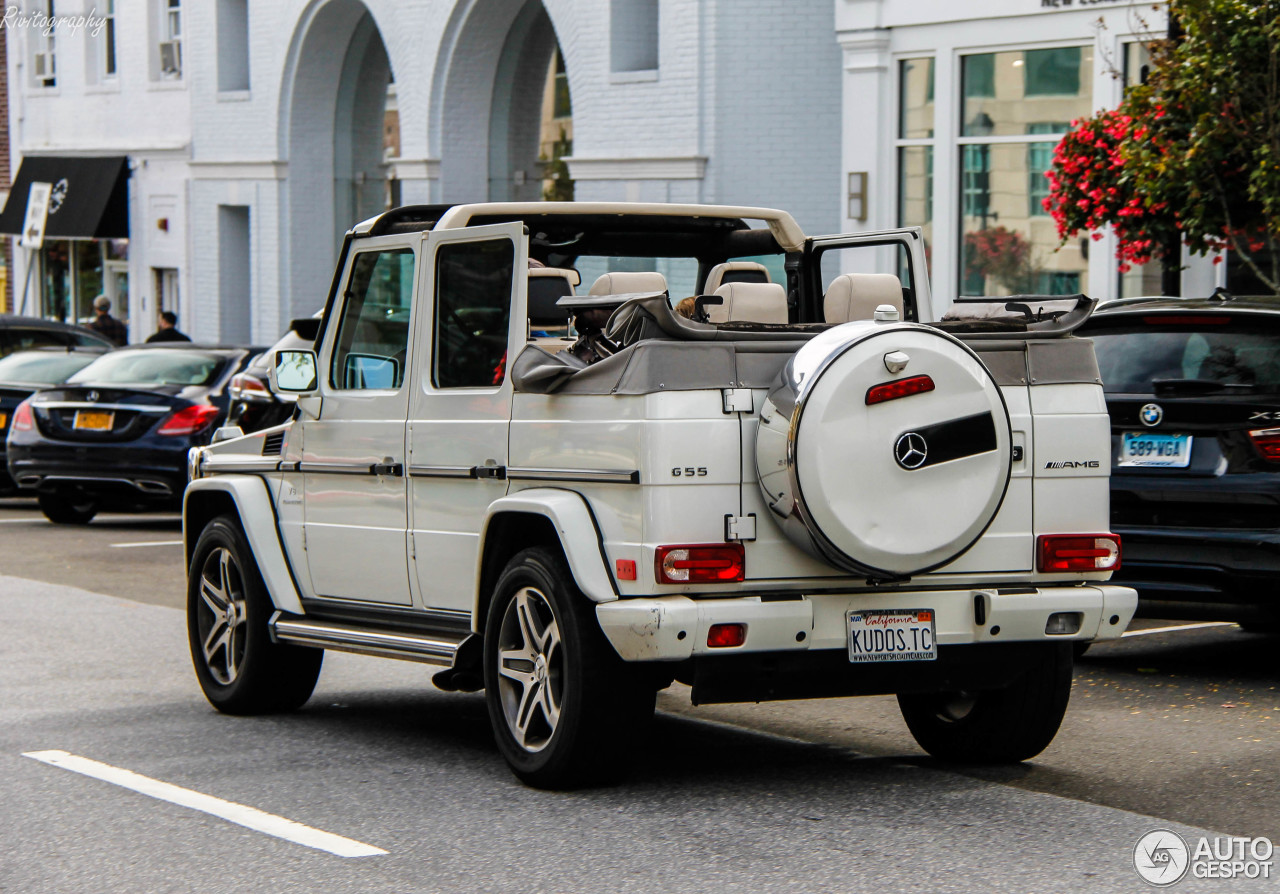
1142 448
892 635
93 421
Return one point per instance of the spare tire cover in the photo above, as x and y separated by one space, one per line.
892 488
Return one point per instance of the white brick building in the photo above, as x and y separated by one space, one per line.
254 131
274 124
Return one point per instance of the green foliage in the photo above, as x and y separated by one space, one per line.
1191 157
556 185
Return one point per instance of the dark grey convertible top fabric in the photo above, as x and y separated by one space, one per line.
665 352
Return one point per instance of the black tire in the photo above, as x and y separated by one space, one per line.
1267 627
240 669
600 705
1003 726
67 508
1078 649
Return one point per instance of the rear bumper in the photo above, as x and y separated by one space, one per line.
126 471
1202 573
674 628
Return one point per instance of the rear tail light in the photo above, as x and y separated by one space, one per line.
189 421
726 636
1078 552
249 389
709 563
1267 440
23 417
878 394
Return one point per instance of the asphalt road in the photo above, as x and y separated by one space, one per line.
1164 730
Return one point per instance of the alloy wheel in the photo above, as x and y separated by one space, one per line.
223 614
530 669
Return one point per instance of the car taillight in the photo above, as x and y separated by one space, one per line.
878 394
726 636
1078 552
708 563
249 389
23 417
1267 440
189 421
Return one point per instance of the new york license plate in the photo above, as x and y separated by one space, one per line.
4 419
892 635
91 420
1142 448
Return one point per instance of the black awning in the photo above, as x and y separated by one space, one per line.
90 197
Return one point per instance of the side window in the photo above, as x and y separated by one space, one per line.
890 257
472 313
24 339
373 334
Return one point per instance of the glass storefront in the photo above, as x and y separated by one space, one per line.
1016 106
72 272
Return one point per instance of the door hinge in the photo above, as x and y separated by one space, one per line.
496 472
738 400
740 527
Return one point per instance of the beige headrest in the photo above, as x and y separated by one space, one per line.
621 283
715 279
558 272
855 296
749 302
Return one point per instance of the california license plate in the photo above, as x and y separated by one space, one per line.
1142 448
90 420
892 635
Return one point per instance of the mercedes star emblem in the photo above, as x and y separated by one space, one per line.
1150 415
92 396
911 450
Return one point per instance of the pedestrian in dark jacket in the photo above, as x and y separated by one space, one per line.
168 328
107 325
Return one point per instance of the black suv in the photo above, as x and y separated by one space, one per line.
1193 391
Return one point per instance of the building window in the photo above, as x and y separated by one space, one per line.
170 47
109 39
633 35
44 71
1015 109
233 45
562 106
915 145
1052 72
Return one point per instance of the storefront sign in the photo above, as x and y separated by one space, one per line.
37 213
1068 4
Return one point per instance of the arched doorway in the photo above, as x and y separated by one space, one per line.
500 103
334 133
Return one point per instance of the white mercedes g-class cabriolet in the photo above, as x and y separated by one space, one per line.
744 459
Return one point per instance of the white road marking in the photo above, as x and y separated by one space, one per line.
147 543
34 520
249 817
1152 630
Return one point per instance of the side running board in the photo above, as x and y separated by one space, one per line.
441 647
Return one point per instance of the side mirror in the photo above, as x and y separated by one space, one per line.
294 372
371 371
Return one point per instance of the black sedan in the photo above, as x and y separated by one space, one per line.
24 373
1193 391
23 333
116 435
